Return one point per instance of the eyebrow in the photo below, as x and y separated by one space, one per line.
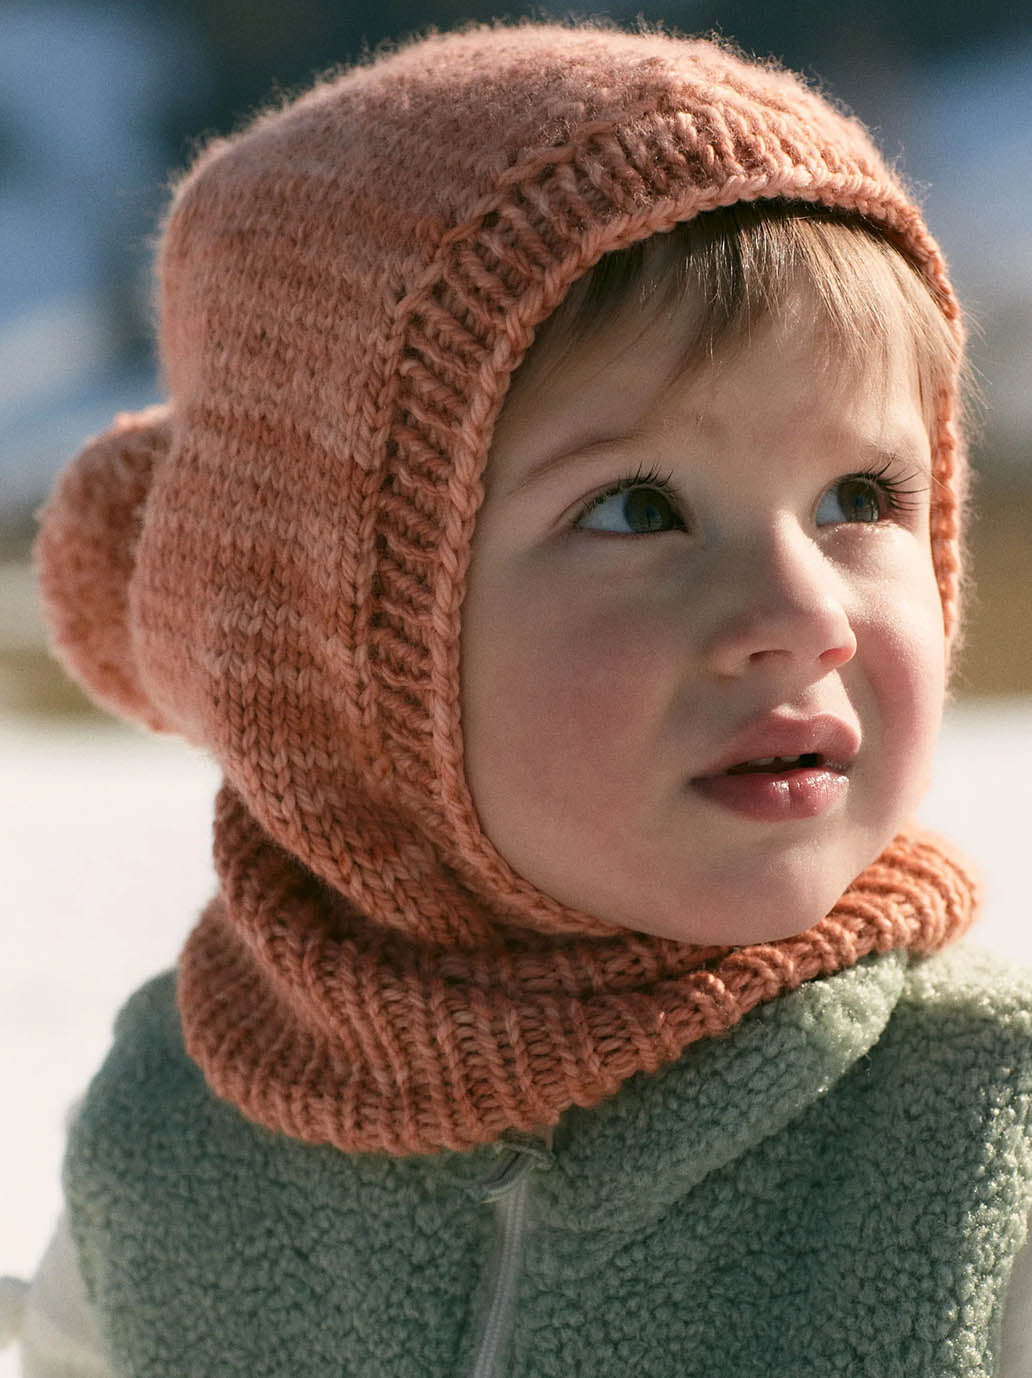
874 457
578 453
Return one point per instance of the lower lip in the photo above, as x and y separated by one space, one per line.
775 798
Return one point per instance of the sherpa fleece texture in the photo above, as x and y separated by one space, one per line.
837 1186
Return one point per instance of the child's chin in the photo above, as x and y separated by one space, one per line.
732 930
744 920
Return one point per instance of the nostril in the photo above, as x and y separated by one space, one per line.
838 655
818 637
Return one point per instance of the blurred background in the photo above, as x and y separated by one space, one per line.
104 833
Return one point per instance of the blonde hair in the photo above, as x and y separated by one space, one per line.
721 273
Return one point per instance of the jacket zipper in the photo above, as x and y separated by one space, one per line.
508 1190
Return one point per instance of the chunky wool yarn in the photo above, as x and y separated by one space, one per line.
273 564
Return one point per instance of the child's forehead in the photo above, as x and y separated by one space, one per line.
620 384
696 298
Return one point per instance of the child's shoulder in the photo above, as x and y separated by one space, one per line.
150 1114
146 1068
970 982
216 1243
150 1014
955 1062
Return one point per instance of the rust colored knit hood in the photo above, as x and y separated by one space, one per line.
273 565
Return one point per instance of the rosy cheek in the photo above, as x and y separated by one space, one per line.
905 666
575 698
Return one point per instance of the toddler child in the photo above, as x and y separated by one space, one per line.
554 531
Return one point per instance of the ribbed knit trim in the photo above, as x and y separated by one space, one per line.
322 1025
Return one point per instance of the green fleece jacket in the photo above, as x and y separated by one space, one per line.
838 1186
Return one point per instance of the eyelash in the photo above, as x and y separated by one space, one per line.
648 478
898 496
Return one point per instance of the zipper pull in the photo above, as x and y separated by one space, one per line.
522 1153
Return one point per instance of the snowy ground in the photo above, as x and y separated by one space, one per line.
104 858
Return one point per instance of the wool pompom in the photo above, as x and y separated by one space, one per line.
85 554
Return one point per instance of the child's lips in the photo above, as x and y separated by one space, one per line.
776 796
780 768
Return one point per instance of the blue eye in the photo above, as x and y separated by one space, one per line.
868 497
638 505
852 499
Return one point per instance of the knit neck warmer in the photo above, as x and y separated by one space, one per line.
273 565
320 1025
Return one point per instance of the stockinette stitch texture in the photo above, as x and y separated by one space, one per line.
273 565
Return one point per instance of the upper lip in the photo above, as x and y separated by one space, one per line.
836 741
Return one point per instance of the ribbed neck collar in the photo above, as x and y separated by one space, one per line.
316 1021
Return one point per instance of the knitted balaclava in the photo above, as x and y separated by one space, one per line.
273 565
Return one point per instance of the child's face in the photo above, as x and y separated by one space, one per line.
763 588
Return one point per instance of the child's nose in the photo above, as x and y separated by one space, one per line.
785 611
